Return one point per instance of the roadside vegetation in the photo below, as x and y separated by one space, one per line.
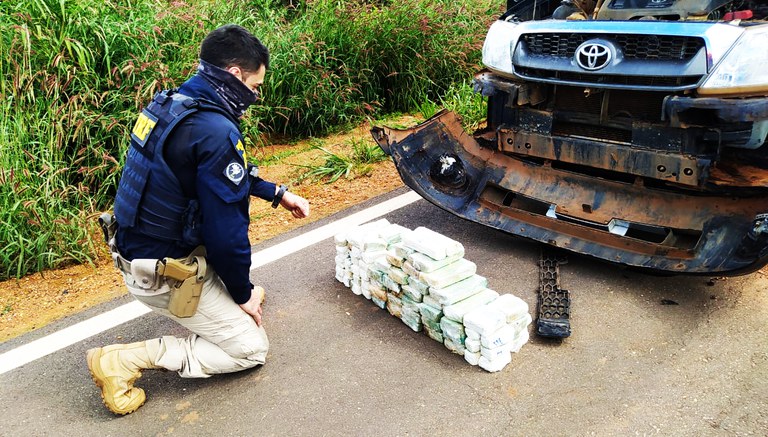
74 74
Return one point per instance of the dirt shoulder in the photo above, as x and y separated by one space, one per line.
37 300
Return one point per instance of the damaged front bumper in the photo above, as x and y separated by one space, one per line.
660 229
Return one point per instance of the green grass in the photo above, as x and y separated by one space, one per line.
459 98
74 74
358 160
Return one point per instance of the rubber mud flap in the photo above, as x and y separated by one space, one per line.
553 314
554 303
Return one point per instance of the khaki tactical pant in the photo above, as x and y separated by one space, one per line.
225 338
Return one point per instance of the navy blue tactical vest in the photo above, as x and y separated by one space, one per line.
149 196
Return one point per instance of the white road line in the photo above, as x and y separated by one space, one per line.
80 331
68 336
278 251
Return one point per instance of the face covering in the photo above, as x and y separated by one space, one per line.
232 90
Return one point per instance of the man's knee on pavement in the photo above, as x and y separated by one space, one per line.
250 347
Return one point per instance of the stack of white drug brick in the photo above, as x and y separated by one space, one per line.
422 277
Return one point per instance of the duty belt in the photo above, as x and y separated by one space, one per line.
171 268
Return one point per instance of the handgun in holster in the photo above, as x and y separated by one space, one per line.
108 226
189 276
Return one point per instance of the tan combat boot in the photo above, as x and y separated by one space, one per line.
114 369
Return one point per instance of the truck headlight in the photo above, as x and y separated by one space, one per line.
499 44
743 70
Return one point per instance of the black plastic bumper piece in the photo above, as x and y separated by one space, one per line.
553 315
554 303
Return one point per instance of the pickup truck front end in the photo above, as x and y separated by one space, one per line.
639 140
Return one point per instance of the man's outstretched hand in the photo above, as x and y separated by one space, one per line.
297 205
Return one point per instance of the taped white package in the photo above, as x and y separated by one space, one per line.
431 301
410 310
457 310
340 259
473 345
390 284
340 278
356 236
452 330
414 282
380 264
412 293
374 283
394 259
340 270
424 263
393 306
393 233
522 323
415 325
374 274
450 274
434 334
471 333
430 235
433 244
409 303
504 335
366 290
485 319
513 306
495 365
395 299
356 288
458 291
370 257
363 275
518 343
378 292
411 318
472 358
378 302
496 353
401 250
428 312
431 324
409 270
342 251
453 345
398 275
340 239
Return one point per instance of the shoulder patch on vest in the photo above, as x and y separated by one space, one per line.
238 143
234 172
143 127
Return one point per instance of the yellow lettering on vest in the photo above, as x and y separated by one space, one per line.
143 126
241 148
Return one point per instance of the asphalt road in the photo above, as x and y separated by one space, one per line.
683 356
